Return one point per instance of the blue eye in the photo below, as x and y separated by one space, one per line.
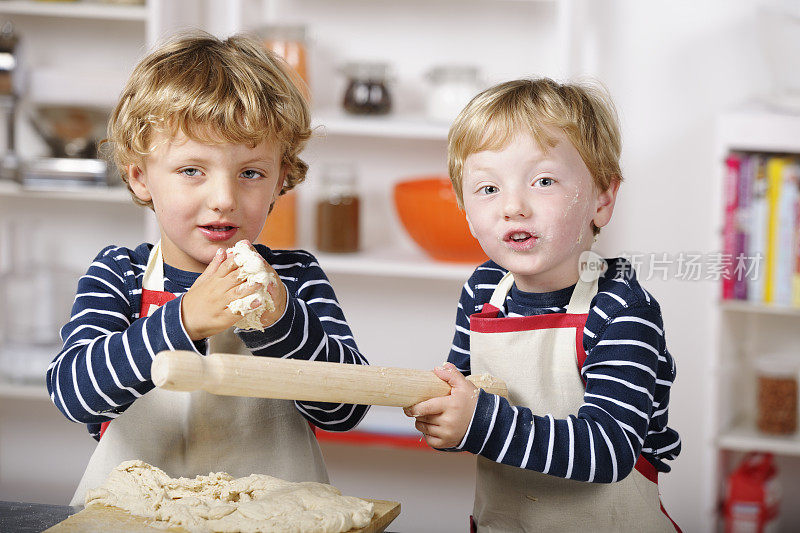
545 182
190 172
252 174
488 189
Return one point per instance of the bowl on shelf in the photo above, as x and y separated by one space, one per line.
427 208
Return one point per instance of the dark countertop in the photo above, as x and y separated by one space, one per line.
21 517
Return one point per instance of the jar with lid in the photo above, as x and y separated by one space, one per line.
289 42
777 376
367 91
338 208
452 87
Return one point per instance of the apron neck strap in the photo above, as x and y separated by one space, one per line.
586 289
579 302
153 279
499 295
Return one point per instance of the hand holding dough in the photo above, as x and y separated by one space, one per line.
253 271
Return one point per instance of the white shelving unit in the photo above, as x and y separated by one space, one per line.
23 392
332 122
745 329
87 10
90 194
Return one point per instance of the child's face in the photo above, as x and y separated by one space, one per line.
207 196
531 210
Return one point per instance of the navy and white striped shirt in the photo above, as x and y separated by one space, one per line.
628 373
104 365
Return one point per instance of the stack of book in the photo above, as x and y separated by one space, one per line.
761 232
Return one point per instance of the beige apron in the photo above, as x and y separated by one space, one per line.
188 434
537 357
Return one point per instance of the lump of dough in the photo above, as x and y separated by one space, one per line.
218 502
253 271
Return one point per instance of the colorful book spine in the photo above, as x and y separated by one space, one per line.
740 259
784 252
775 172
759 216
732 167
796 277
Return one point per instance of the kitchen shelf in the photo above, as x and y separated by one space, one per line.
746 437
86 10
328 122
92 194
759 129
741 306
393 263
23 392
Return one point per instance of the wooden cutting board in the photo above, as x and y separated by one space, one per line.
103 519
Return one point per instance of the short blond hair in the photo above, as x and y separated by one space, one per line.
585 113
212 91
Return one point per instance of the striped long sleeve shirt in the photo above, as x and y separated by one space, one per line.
628 373
104 364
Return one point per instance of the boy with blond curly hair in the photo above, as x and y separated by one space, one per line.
207 134
579 442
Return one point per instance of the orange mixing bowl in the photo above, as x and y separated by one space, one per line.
428 210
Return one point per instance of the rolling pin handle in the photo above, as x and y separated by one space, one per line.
178 370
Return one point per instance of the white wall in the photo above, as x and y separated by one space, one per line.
671 66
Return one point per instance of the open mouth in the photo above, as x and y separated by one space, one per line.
219 228
519 236
219 232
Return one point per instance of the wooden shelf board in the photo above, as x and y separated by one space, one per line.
367 438
330 122
23 392
393 263
745 437
87 10
760 128
95 194
741 306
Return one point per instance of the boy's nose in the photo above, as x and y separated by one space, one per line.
514 207
221 195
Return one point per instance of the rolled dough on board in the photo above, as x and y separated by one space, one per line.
218 502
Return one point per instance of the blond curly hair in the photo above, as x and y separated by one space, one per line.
213 91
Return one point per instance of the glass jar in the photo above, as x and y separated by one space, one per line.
35 302
777 376
452 87
338 208
367 91
289 42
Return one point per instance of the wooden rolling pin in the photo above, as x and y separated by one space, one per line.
291 379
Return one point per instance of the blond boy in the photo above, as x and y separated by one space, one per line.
207 134
580 441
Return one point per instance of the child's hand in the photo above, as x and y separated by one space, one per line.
443 421
204 306
278 293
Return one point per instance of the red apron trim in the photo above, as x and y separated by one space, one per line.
157 298
646 469
487 321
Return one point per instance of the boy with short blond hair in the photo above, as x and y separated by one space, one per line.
207 134
580 343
